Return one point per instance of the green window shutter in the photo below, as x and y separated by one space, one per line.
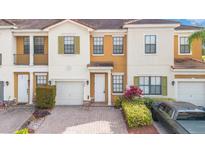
164 86
136 80
77 44
61 44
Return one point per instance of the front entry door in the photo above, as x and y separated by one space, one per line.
23 88
99 87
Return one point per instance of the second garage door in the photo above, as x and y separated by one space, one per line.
193 92
69 93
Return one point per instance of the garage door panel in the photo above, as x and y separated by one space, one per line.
193 92
69 93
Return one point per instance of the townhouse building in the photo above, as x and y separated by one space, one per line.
99 58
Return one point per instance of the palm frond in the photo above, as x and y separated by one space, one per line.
197 35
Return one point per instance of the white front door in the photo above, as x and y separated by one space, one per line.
193 92
23 88
99 87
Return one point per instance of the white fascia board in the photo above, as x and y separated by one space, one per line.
24 32
100 69
202 71
185 31
7 27
151 26
68 20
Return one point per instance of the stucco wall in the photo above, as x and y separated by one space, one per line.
65 66
141 64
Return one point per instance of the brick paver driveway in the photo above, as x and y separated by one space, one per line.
67 119
13 118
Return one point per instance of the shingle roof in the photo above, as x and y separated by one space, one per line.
188 27
152 21
103 23
188 63
34 23
92 23
4 22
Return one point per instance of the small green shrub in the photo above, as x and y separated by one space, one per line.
45 97
22 131
118 101
136 115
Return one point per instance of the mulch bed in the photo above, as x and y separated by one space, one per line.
143 130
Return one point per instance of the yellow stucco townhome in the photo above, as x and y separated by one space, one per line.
99 58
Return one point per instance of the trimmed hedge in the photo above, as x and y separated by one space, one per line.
148 101
45 97
136 115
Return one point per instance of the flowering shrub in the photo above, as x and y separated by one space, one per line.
132 92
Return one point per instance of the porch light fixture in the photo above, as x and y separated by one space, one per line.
173 83
87 82
7 83
49 82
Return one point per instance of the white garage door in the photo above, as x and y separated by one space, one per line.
69 93
193 92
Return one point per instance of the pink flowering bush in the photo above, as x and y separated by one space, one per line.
132 92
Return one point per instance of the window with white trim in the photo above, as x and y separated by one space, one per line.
117 81
38 45
150 44
184 45
69 45
117 45
151 85
98 45
41 80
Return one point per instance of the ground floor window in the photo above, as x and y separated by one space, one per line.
151 85
117 81
41 80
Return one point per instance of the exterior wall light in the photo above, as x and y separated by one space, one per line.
7 83
173 83
49 82
87 82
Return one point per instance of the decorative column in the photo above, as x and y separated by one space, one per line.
109 88
31 49
31 88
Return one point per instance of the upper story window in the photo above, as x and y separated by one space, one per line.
38 45
117 81
150 44
117 45
26 45
184 45
98 45
69 45
151 85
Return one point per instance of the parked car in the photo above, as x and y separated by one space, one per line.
180 117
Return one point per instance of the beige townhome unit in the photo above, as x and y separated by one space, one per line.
99 59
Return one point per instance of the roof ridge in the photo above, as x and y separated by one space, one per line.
131 21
